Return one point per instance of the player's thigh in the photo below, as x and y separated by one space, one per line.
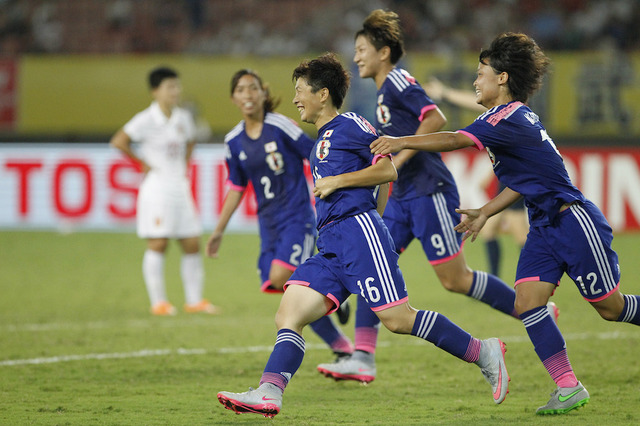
398 222
323 274
538 261
432 221
370 263
583 239
299 306
190 245
295 243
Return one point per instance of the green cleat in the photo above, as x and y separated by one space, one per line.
564 400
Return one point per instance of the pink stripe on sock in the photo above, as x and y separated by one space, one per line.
366 339
559 369
473 350
275 379
342 344
567 380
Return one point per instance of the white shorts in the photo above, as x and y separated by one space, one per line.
166 209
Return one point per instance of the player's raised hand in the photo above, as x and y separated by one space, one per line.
325 186
213 244
471 224
386 145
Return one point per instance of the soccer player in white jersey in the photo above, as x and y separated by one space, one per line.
269 150
356 253
568 233
165 206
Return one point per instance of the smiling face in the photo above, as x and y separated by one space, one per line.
309 104
367 58
249 96
490 86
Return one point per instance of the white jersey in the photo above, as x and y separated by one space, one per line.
165 207
163 140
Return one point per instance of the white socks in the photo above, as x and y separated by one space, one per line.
153 272
192 273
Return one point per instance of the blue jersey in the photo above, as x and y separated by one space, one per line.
343 147
402 104
274 165
525 159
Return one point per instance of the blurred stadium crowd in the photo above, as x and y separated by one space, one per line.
292 27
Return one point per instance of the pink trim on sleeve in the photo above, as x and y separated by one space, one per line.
475 140
235 187
378 157
425 110
283 264
390 305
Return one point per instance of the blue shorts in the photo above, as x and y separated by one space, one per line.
578 243
289 246
356 255
430 219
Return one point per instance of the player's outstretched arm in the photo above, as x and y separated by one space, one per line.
475 219
383 171
231 203
432 142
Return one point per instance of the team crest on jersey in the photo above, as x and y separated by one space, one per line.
383 114
270 147
275 162
322 149
492 157
242 156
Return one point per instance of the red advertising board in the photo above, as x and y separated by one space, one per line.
62 186
8 87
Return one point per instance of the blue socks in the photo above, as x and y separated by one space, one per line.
439 330
630 313
493 291
285 359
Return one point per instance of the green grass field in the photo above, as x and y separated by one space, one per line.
78 346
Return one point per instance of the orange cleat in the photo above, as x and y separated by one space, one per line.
163 309
204 306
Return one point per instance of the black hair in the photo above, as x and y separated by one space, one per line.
382 28
519 56
325 71
157 75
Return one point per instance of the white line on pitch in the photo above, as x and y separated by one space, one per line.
250 349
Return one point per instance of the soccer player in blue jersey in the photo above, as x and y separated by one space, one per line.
356 253
568 233
424 198
268 149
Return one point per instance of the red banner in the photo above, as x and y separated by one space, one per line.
8 87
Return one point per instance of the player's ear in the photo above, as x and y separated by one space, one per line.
503 77
385 53
324 94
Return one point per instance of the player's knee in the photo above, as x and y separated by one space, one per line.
608 314
397 324
454 285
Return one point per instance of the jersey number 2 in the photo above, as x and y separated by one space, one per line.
266 182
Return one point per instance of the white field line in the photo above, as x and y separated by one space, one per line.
144 353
